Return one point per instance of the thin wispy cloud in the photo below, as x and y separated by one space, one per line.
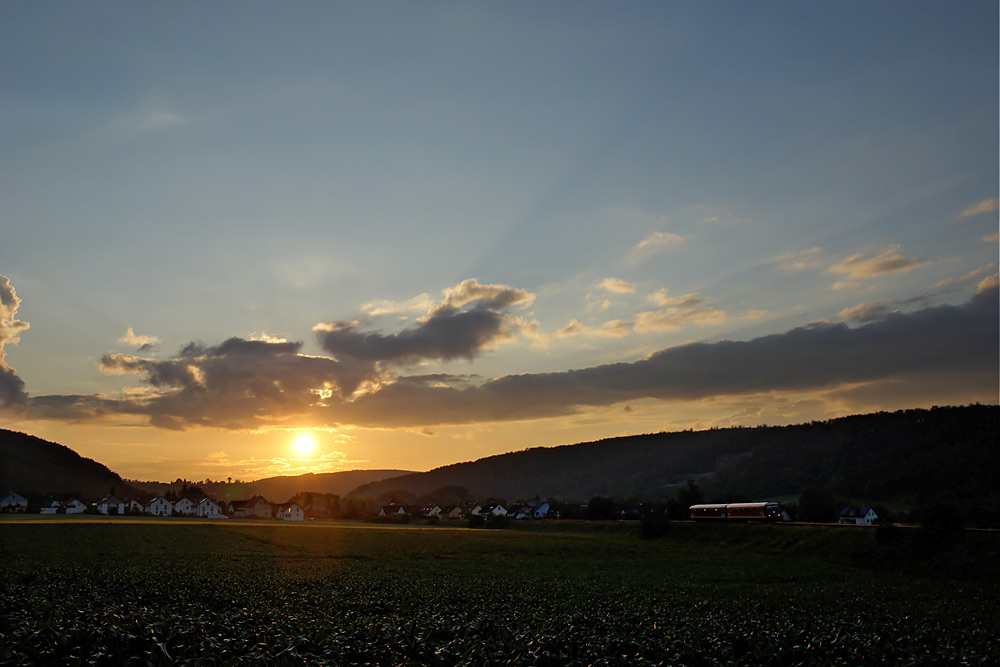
859 268
800 260
618 286
661 240
143 343
985 206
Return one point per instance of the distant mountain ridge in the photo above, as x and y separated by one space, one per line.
942 451
35 468
278 489
948 452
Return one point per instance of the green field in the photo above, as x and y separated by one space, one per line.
119 592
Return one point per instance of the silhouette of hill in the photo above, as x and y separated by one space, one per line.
943 452
276 489
36 468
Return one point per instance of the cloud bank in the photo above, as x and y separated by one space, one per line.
250 384
12 395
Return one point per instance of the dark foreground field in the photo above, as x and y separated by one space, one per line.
169 592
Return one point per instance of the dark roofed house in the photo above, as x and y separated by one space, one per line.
858 516
15 502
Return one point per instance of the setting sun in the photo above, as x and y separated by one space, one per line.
304 444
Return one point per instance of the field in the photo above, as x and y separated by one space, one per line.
149 592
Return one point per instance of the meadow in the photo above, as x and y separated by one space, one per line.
161 592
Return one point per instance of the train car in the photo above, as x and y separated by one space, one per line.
738 512
708 512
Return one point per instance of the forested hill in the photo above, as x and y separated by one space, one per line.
277 489
945 452
35 468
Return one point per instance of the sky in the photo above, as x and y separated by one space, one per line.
245 239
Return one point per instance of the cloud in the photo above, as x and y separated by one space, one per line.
162 118
418 304
660 240
991 238
985 206
12 395
677 312
890 260
867 312
934 342
800 260
253 384
143 343
618 286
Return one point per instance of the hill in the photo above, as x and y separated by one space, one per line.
945 452
35 468
276 489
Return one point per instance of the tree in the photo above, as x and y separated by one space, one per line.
817 504
601 509
690 495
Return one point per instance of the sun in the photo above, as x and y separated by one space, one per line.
304 444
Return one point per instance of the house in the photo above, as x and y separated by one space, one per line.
431 511
209 509
15 502
858 516
72 506
461 512
534 509
51 507
110 505
254 507
160 506
134 506
290 512
490 509
185 507
399 510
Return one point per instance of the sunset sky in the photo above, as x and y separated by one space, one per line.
426 233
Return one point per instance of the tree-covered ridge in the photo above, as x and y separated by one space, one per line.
947 451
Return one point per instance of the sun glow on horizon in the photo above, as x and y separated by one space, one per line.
304 444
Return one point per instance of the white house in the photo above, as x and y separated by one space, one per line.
290 512
72 506
160 506
208 508
15 502
133 506
51 508
534 509
110 505
858 516
490 509
184 507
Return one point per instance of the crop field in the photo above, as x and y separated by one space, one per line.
151 592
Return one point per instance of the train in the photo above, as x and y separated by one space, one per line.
738 512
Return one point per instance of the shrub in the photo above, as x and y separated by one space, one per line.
942 522
654 526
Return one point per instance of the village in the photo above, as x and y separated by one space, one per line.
258 507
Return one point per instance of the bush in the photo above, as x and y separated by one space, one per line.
654 526
497 522
476 521
942 522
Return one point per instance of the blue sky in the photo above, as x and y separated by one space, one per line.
401 210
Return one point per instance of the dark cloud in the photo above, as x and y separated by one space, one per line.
446 335
242 384
13 398
942 341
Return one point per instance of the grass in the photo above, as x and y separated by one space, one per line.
151 592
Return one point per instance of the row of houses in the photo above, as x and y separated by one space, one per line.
163 506
534 509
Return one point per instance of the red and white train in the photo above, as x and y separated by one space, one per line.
738 512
